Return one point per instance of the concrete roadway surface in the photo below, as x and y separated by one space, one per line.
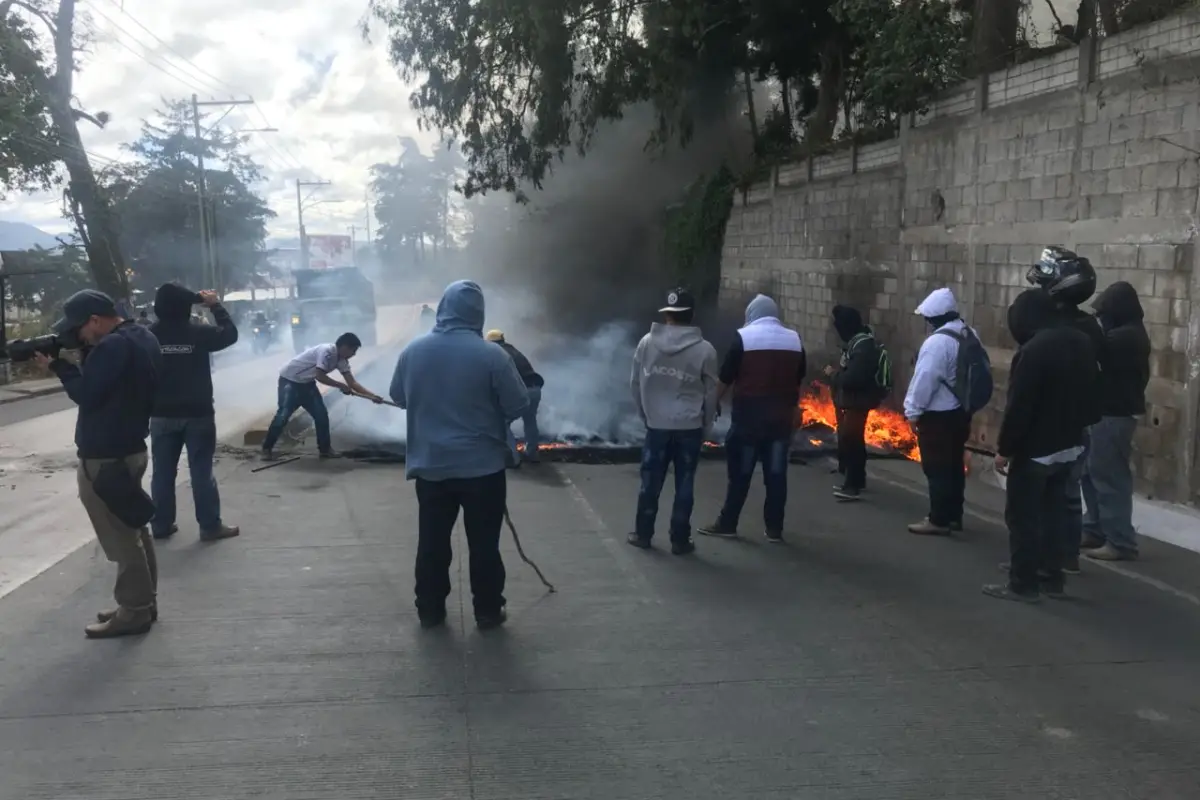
854 662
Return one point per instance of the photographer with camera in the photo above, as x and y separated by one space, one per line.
114 388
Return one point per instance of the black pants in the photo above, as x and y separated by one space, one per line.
1036 512
852 447
942 437
482 501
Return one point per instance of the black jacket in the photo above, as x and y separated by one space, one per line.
854 386
186 388
1051 384
1127 352
114 389
525 369
1090 327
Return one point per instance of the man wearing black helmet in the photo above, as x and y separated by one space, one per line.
1070 280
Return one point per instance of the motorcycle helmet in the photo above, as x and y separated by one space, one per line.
1067 277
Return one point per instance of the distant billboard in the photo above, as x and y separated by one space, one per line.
328 252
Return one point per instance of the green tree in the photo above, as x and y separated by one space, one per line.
28 142
156 203
413 203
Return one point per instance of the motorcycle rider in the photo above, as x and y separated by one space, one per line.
1070 280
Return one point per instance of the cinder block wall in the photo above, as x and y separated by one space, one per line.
1096 148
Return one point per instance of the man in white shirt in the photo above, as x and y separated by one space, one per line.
298 389
934 410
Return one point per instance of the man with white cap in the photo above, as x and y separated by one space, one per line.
936 406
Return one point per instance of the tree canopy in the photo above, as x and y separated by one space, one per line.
28 142
517 85
413 204
155 202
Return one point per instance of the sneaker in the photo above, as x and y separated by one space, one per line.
775 537
1091 542
487 622
105 616
927 528
174 529
718 529
1071 566
847 495
1110 553
1002 591
122 623
956 526
683 548
1053 590
329 454
638 541
269 455
223 532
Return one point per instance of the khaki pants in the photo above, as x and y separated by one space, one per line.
131 549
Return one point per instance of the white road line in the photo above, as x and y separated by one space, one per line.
614 546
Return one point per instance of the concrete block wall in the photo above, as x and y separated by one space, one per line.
1095 148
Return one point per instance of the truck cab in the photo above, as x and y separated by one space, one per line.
330 302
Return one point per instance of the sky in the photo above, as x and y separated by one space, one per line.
337 102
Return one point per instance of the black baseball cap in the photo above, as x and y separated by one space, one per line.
82 306
679 299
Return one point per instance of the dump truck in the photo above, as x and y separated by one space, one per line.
330 302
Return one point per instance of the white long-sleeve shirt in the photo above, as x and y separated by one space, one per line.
931 387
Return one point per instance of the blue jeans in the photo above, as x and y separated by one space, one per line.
742 453
529 420
168 437
660 450
1108 483
293 396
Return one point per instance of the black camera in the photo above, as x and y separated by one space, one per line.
50 345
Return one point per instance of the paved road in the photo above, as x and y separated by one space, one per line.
32 407
853 662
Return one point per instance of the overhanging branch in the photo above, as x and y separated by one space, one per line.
7 5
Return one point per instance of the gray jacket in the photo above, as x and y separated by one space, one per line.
674 378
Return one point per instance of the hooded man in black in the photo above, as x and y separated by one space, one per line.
1050 402
855 394
1109 534
183 408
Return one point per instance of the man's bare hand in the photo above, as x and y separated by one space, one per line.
345 389
1001 464
42 360
208 298
829 371
376 399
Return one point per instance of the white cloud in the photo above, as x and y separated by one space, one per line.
337 102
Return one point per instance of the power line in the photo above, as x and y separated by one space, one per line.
217 81
170 70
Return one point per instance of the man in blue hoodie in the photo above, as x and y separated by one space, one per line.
461 394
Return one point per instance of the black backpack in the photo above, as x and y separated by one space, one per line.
883 363
973 383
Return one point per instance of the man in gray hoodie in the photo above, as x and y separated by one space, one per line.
674 383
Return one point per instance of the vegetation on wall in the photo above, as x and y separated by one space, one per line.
695 234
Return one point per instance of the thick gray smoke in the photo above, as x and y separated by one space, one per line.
575 278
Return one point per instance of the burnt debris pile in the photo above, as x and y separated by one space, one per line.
810 442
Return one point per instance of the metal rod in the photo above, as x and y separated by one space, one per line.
278 463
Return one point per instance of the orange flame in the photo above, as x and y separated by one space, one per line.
885 428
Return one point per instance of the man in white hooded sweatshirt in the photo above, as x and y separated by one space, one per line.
933 408
674 384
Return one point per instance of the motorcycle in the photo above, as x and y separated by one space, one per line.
263 334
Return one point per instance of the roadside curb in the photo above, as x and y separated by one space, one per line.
21 394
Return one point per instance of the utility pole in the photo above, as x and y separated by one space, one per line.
353 246
208 263
300 218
